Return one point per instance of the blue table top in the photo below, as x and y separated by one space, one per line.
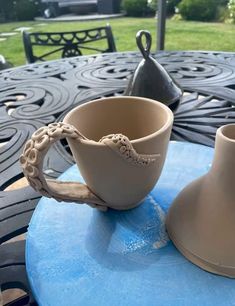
76 255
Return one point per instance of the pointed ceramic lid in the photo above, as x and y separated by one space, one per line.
151 80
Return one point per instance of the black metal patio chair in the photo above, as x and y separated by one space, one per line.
67 44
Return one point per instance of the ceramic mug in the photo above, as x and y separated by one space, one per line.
119 145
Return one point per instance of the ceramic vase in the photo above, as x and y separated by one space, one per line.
201 221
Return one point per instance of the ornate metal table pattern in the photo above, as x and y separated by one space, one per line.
34 95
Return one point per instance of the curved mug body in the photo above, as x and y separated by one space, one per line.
120 150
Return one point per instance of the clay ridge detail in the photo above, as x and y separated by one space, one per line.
34 151
122 146
32 164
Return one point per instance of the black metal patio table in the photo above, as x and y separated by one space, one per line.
35 95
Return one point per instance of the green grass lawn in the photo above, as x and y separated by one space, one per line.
180 35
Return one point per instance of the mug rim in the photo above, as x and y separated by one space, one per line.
221 132
167 124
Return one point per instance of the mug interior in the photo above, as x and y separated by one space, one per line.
131 116
229 131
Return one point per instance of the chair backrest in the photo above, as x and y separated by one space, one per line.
68 44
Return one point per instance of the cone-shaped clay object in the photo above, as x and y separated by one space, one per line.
201 221
151 80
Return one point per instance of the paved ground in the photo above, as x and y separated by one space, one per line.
7 35
74 17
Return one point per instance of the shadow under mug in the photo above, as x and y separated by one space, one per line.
119 145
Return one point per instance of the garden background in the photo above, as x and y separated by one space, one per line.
191 25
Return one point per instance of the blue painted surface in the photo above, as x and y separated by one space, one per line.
77 255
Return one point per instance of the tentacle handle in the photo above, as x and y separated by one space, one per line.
122 146
32 164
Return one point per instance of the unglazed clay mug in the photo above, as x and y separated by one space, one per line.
119 145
